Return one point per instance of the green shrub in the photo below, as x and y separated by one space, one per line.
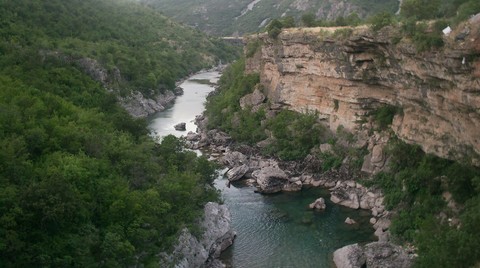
414 188
381 20
252 48
295 134
383 116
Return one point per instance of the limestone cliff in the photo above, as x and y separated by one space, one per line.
346 73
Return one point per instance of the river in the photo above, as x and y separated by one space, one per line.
272 230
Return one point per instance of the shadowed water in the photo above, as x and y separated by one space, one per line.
272 230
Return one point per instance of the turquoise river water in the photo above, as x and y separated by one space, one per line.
273 231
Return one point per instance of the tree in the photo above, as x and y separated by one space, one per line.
308 20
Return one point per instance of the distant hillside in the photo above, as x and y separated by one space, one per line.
225 17
149 50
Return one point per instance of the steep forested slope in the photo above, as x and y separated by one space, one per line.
224 17
149 50
81 182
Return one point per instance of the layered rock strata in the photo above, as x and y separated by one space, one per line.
344 74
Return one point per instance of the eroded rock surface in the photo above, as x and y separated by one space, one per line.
191 252
344 78
372 255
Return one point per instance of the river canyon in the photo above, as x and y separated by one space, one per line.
272 230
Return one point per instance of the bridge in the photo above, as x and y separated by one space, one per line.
234 40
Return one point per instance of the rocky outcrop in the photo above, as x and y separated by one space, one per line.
192 252
252 100
237 173
138 105
270 179
372 255
346 73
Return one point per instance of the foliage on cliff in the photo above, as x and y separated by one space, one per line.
150 51
293 134
414 187
81 182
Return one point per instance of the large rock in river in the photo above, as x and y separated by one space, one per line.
180 126
270 179
237 173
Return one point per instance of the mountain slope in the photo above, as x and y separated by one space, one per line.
150 51
81 182
224 17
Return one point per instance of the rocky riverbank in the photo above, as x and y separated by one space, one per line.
271 175
192 251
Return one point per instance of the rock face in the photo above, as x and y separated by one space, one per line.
372 255
345 76
190 252
138 105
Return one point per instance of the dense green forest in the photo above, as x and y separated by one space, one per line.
150 51
82 184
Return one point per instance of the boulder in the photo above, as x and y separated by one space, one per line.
191 136
233 159
372 255
178 91
349 221
350 256
252 100
346 197
367 201
180 126
237 173
292 186
218 137
382 236
318 204
383 223
270 179
386 255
